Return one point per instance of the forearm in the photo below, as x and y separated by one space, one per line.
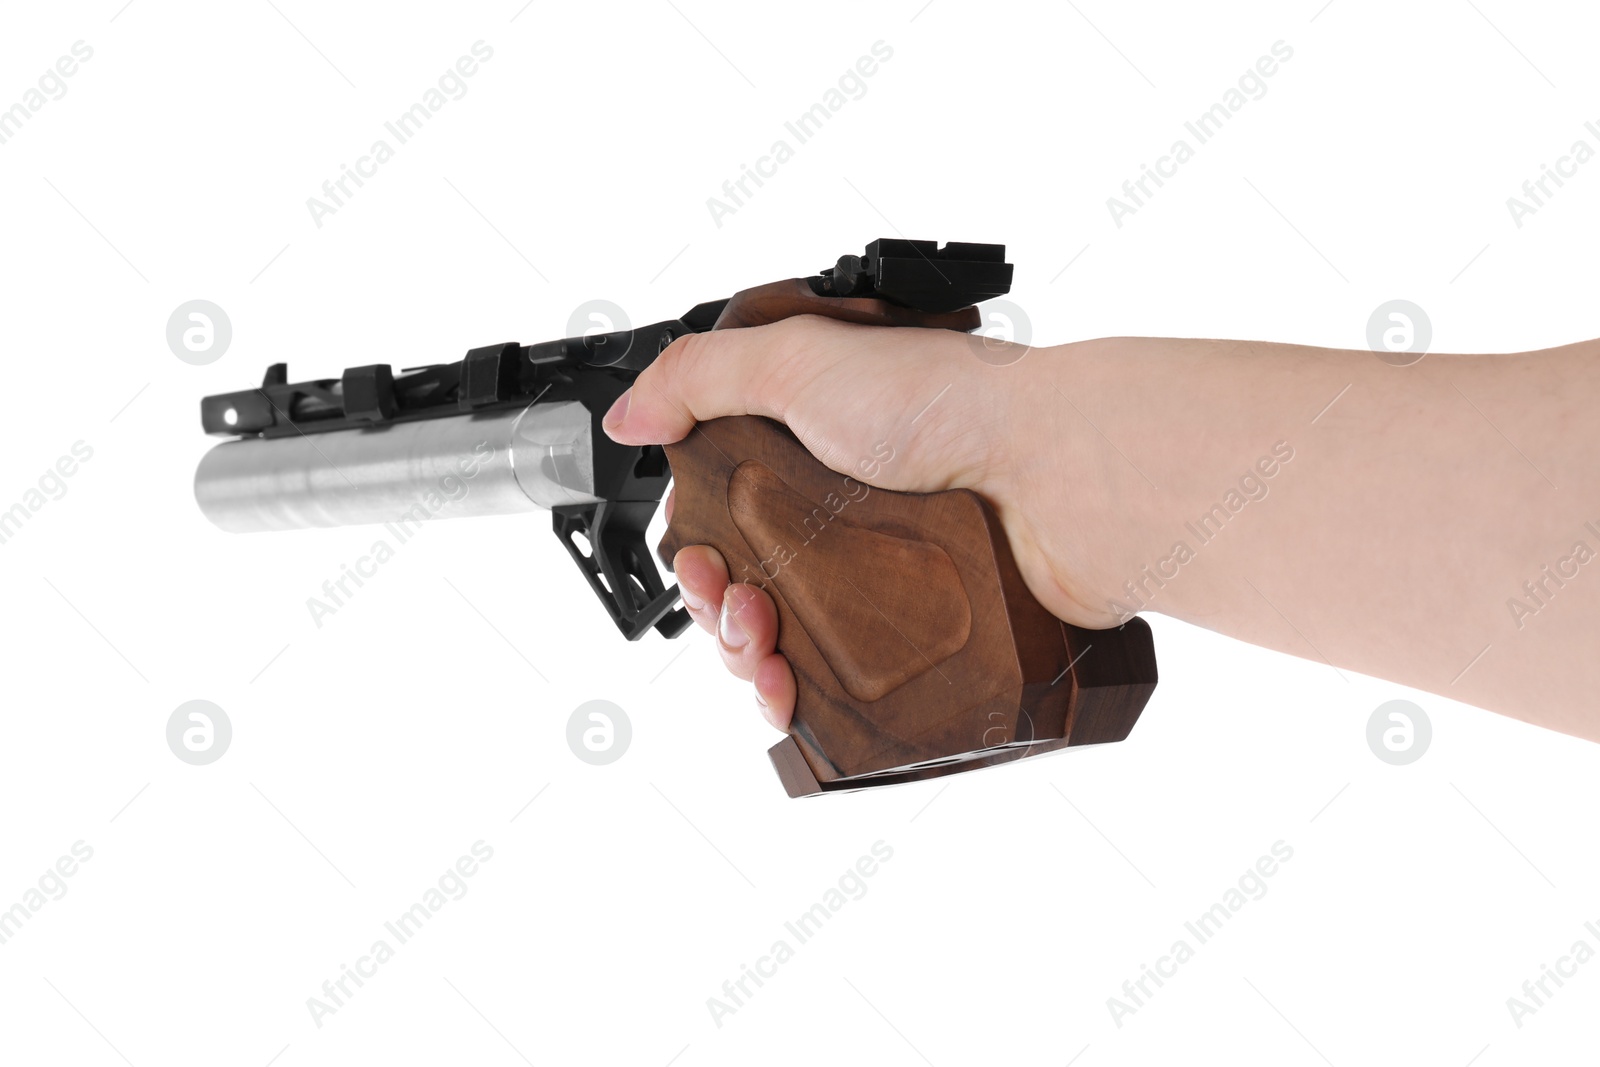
1324 503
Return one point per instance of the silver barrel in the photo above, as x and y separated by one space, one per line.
541 456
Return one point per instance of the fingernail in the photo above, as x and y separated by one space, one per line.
690 601
618 412
760 699
728 627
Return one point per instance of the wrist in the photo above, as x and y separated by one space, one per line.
1068 484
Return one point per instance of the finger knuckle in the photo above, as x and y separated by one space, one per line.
686 356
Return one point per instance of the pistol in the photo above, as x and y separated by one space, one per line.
917 649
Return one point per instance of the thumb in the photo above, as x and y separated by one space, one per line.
708 375
850 393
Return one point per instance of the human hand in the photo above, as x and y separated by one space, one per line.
943 417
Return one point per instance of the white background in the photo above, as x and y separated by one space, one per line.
370 753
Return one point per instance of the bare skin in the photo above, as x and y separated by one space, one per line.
1387 520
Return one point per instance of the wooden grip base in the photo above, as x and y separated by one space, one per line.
916 647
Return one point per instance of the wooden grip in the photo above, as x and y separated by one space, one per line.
917 649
